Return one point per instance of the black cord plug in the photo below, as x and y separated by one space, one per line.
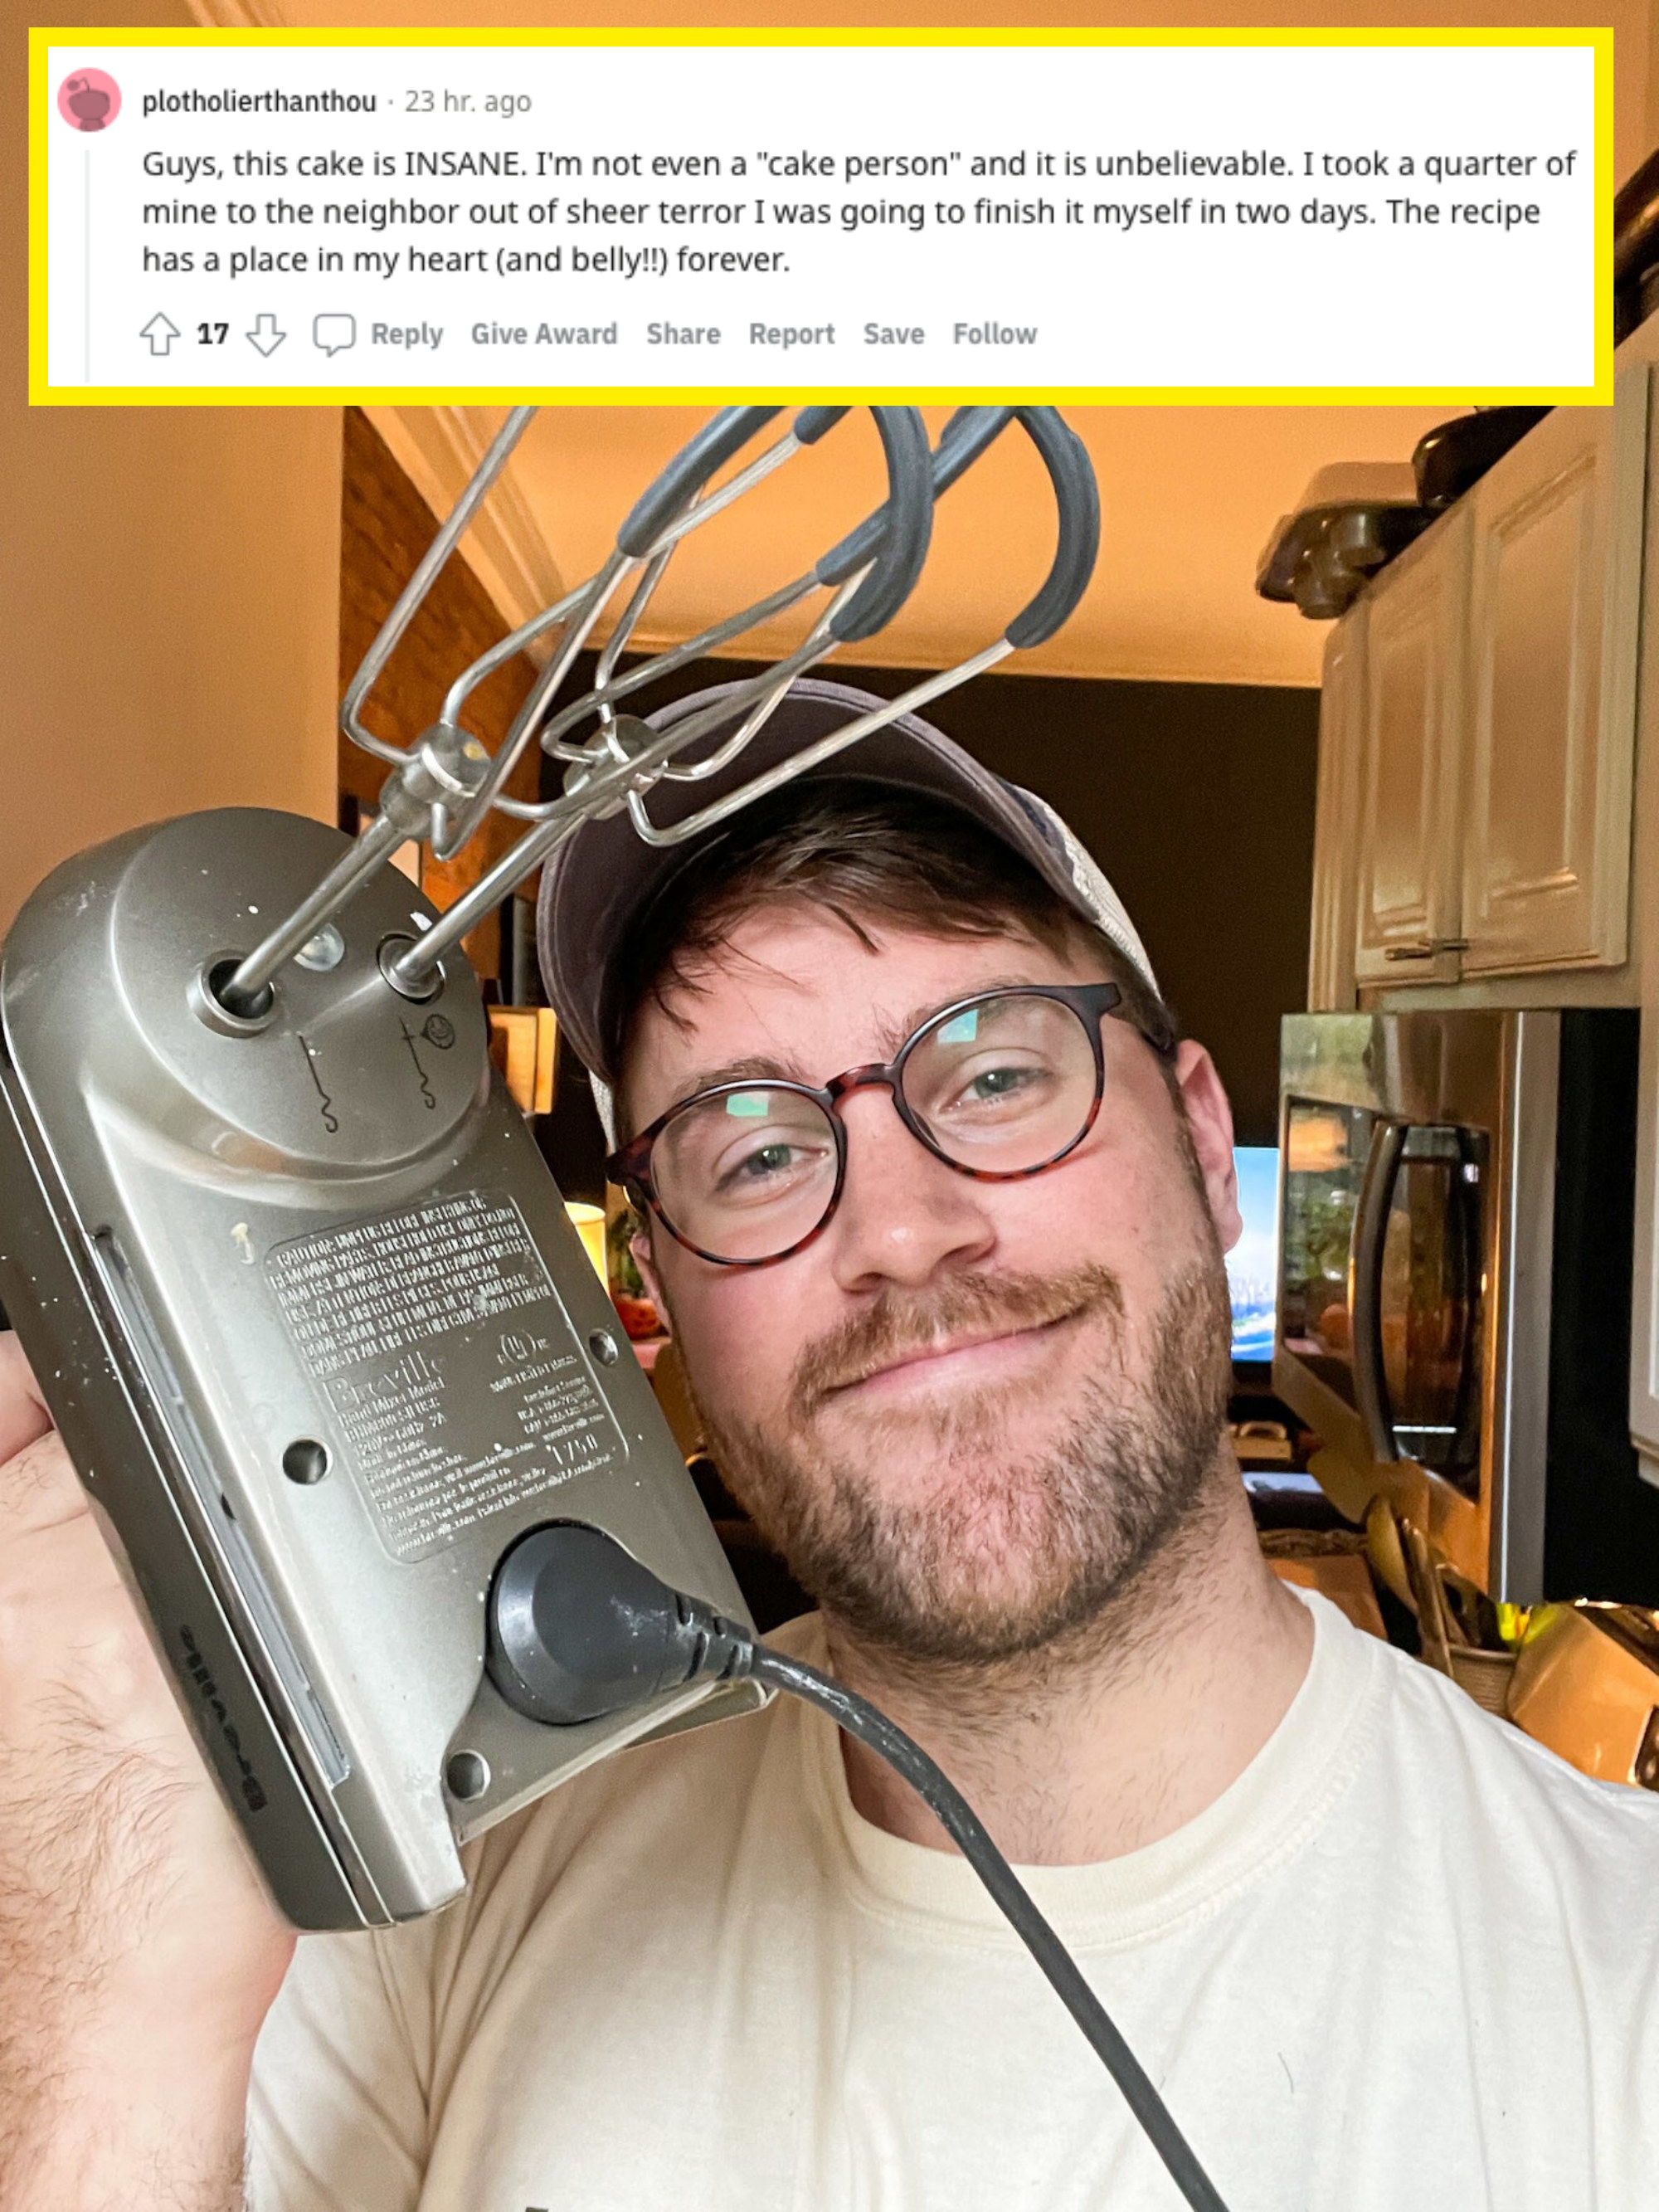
578 1628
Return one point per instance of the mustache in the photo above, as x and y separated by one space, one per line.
902 1324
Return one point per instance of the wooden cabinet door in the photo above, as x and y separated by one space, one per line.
1336 817
1554 613
1412 685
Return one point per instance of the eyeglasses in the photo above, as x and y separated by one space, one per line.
997 1086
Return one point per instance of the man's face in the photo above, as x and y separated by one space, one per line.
970 1411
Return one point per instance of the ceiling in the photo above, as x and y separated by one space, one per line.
1188 497
1189 494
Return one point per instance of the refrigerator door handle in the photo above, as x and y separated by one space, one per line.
1370 1383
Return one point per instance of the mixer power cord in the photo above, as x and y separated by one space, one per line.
579 1628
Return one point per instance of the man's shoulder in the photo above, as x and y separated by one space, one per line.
1499 1787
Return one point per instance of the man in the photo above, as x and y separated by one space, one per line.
936 1203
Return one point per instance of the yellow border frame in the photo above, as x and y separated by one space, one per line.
42 394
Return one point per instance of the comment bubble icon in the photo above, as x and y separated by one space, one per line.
334 333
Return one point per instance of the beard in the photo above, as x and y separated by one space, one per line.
1000 1556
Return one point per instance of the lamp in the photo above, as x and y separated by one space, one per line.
590 1227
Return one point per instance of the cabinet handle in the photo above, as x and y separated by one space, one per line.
1426 948
1370 1215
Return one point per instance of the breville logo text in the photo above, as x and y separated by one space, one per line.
253 1795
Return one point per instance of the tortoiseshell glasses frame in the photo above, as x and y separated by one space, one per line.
631 1164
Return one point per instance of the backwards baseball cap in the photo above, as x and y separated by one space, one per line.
602 879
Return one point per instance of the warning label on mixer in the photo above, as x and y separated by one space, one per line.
459 1386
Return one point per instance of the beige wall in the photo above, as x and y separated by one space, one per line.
169 583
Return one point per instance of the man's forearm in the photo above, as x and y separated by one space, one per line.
139 1952
63 2174
119 2121
124 2083
124 2061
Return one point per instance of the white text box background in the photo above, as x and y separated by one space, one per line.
1181 304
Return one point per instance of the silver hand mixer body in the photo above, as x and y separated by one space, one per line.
307 1306
300 1293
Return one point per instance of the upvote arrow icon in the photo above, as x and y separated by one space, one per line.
161 333
266 335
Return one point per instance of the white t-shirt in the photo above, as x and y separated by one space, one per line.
1408 1959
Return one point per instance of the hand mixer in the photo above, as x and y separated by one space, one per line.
300 1293
411 1534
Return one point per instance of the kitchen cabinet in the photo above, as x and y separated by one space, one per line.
1336 818
1553 618
1411 722
1484 700
1480 701
1645 1290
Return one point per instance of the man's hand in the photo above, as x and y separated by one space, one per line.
138 1950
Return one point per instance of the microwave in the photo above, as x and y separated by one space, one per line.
1456 1231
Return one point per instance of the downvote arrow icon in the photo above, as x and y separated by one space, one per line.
266 335
161 333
